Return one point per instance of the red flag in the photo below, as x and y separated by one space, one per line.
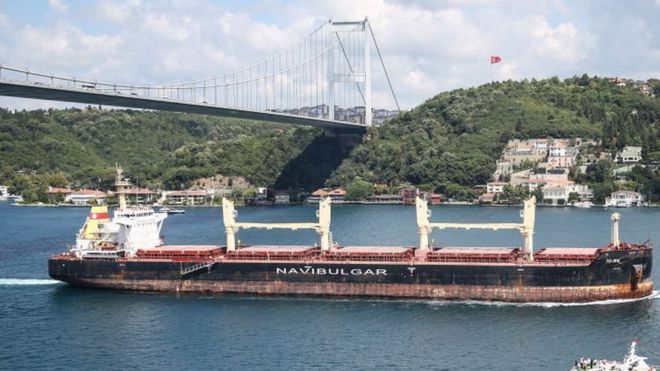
495 59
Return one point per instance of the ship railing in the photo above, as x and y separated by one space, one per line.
368 258
197 267
470 259
270 258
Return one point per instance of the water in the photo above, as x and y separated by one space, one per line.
48 325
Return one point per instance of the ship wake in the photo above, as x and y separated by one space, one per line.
654 295
27 282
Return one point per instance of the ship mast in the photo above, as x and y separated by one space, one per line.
614 232
121 185
526 228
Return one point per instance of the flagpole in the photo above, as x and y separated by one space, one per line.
490 69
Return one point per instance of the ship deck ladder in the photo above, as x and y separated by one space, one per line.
197 267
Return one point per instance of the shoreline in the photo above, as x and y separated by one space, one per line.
365 203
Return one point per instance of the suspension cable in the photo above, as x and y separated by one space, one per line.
382 63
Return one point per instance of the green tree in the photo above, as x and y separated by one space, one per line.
538 193
359 189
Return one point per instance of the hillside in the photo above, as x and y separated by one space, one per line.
452 141
157 149
447 144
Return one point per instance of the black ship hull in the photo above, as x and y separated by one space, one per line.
612 275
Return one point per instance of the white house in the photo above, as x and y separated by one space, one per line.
629 155
559 193
557 150
189 197
584 191
282 198
624 199
495 187
555 194
4 192
85 197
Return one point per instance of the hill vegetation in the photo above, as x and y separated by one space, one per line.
452 141
157 149
447 144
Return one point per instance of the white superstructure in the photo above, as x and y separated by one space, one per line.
632 362
130 229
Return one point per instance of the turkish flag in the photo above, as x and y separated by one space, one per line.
495 59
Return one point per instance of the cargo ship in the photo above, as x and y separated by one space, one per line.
128 253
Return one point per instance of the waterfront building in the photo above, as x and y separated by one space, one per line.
408 195
188 198
56 195
140 195
558 193
85 197
495 187
4 192
337 195
624 199
282 198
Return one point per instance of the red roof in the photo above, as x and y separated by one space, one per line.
54 190
89 192
337 192
319 193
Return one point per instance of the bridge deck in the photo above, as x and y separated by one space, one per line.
91 96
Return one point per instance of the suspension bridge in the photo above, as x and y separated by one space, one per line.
324 80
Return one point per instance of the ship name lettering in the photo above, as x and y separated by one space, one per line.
332 271
613 261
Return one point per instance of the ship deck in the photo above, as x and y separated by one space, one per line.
451 255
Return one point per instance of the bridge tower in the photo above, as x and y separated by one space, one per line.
359 70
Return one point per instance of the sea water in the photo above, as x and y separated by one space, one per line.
45 324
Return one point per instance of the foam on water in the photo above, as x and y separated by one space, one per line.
27 282
654 295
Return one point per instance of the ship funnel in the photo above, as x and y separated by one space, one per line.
615 229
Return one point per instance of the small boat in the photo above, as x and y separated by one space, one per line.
583 204
171 211
632 362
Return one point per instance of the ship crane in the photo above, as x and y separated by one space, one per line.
526 228
232 226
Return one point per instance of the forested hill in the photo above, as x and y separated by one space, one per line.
158 149
455 137
451 140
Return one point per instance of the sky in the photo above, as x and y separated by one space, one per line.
429 46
